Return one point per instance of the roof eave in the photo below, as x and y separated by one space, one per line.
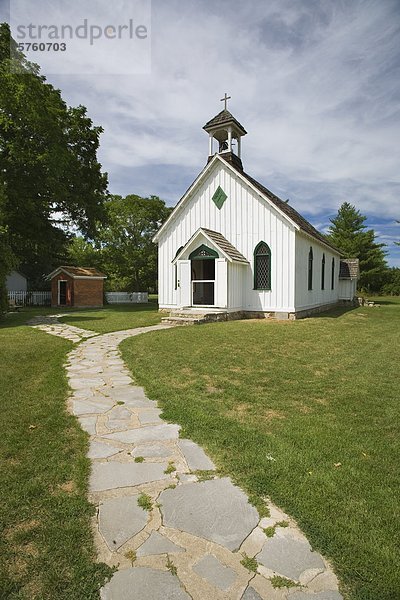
64 270
236 124
313 237
259 193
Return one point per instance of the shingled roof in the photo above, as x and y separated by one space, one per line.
221 118
78 272
349 268
288 210
225 246
285 208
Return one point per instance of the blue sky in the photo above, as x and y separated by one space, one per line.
315 83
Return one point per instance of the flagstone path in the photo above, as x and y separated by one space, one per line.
188 538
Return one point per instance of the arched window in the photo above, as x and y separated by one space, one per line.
310 268
203 252
262 267
323 272
333 274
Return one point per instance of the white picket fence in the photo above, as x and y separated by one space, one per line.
31 298
44 298
127 297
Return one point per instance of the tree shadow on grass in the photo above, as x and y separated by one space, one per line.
21 317
335 313
68 318
384 302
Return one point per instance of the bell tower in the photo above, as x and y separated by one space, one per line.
225 133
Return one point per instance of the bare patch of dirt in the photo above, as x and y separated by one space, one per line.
17 567
22 527
271 414
69 487
303 408
323 401
210 389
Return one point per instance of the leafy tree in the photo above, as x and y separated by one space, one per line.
82 253
7 259
350 235
48 164
129 257
392 287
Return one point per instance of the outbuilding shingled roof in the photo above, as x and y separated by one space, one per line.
349 268
78 272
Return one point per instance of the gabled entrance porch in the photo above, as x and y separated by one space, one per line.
204 268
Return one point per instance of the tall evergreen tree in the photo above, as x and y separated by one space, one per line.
350 235
48 163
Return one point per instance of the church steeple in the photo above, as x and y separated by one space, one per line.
225 129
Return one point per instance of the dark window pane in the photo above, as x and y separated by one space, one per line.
263 272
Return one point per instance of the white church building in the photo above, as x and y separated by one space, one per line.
231 248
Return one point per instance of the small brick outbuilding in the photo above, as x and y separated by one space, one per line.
77 286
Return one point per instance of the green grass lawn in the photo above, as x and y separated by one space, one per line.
114 318
304 412
46 546
103 320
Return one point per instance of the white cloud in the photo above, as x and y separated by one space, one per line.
315 83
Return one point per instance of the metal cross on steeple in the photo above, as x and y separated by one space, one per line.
225 99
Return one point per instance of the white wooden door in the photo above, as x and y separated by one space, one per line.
221 283
184 283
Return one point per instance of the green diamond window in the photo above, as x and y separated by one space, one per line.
219 197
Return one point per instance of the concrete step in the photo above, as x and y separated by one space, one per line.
183 320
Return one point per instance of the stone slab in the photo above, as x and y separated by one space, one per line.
117 424
187 477
111 475
120 519
215 510
120 380
143 583
251 594
158 544
327 595
213 571
326 580
288 557
151 415
140 403
80 407
152 451
130 392
85 382
195 456
99 450
119 412
88 424
166 431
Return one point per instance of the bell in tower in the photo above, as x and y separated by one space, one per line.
227 132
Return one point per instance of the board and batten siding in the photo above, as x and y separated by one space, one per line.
245 219
304 297
347 289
